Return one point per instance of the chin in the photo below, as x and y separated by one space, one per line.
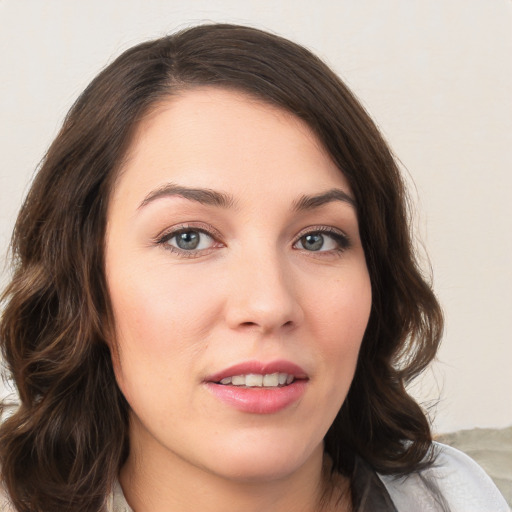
258 471
267 463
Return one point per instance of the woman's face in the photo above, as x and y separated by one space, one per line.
239 287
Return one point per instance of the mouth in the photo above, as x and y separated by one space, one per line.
261 388
258 380
256 374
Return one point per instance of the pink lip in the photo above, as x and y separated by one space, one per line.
260 368
259 400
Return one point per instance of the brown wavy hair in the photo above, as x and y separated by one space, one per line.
62 448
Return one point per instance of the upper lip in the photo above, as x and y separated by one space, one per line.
259 368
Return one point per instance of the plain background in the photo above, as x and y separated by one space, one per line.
435 75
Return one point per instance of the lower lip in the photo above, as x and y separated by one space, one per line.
259 400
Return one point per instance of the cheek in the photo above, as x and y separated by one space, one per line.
341 319
158 306
161 323
343 308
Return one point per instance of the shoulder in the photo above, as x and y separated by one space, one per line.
5 503
116 502
454 482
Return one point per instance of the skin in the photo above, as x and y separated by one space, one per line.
253 290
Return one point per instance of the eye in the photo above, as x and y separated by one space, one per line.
323 240
187 240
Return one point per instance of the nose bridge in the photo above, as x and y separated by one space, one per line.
263 293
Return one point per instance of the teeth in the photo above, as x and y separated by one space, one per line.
255 380
271 380
238 380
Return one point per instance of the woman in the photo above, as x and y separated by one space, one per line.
215 302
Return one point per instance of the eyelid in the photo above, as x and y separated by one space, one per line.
339 235
192 226
341 238
172 231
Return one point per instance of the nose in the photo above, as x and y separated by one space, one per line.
263 295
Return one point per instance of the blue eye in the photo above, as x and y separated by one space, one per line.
314 242
189 240
322 241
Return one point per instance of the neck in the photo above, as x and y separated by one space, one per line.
154 481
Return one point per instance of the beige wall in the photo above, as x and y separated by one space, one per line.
436 75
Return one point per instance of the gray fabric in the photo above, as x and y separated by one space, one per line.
369 492
491 449
455 482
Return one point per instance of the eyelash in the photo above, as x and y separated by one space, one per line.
340 238
185 228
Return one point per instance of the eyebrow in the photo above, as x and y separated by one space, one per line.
222 200
200 195
311 202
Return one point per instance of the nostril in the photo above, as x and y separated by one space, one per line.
287 324
248 324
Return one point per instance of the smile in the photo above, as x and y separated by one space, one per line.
255 380
259 388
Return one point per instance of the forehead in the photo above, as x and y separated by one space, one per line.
217 138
